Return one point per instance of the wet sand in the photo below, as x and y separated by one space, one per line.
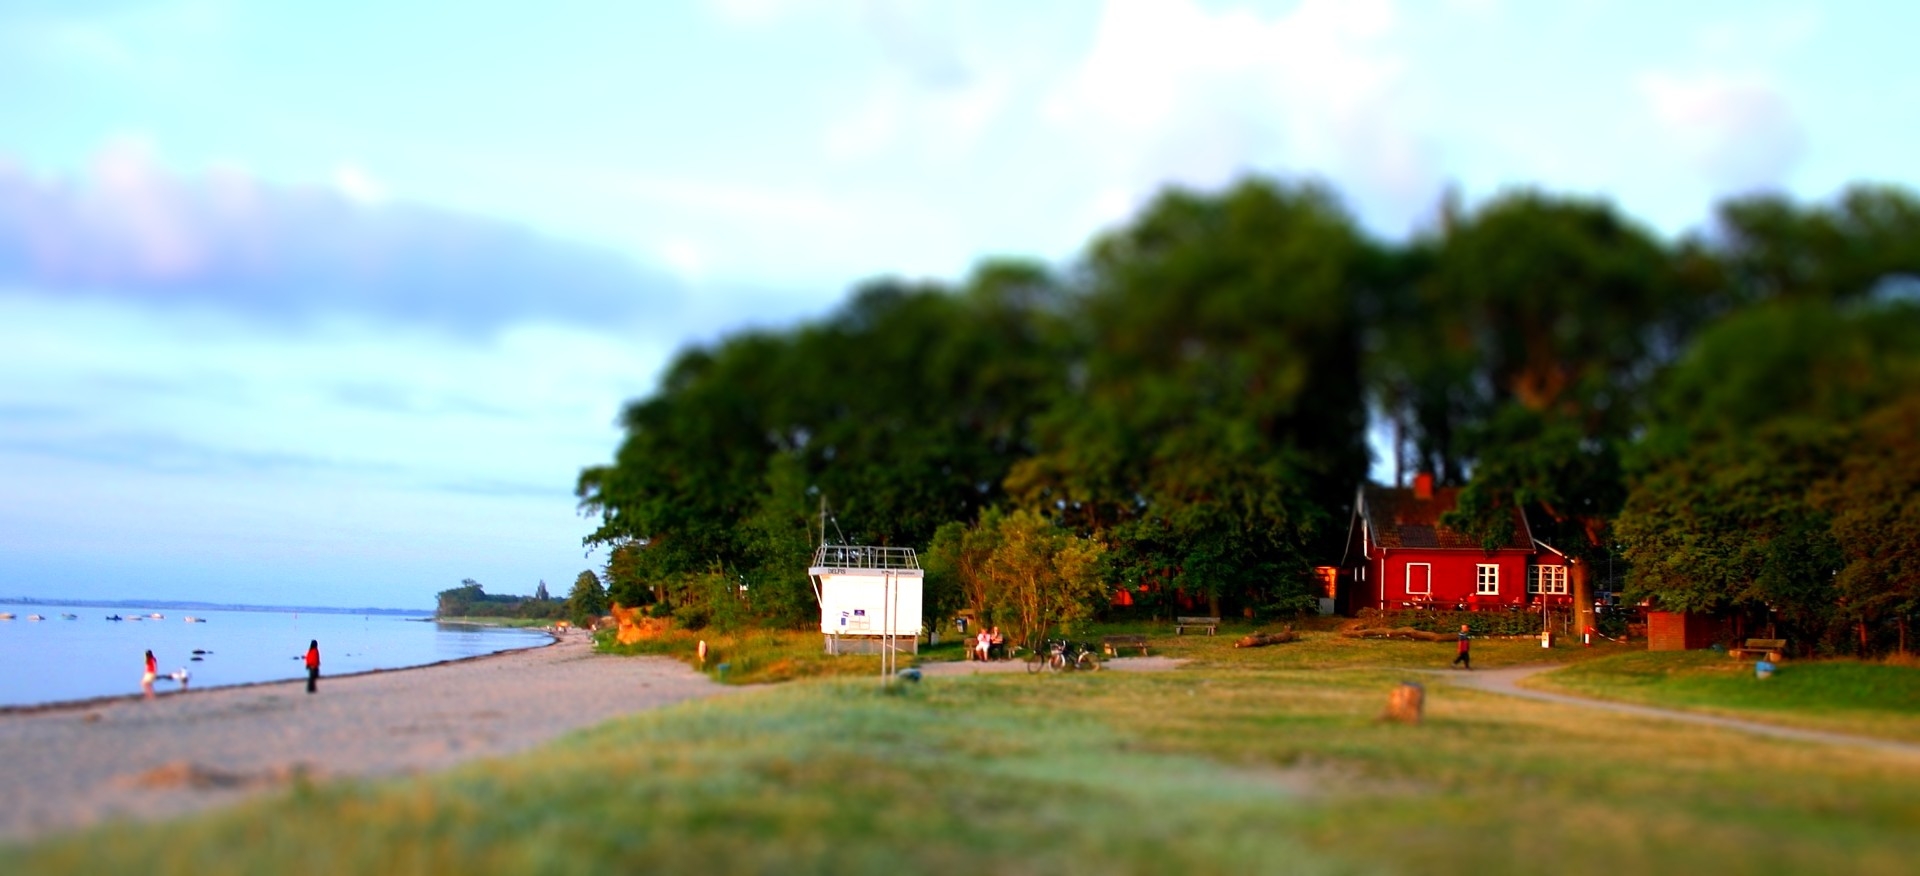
71 766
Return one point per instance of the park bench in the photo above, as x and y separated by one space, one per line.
1774 649
1180 624
1113 644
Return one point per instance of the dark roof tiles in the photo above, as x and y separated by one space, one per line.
1398 520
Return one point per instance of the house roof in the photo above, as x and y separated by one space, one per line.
1395 519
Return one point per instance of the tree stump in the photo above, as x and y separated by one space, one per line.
1405 703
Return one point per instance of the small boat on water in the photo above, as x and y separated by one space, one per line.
115 617
196 620
157 616
66 616
6 615
35 617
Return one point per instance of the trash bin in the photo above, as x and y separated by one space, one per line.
1763 669
1546 638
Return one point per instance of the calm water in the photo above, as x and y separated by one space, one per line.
55 659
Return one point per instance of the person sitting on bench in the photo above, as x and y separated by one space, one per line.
981 644
996 645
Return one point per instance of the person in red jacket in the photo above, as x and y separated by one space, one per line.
153 671
313 664
1464 657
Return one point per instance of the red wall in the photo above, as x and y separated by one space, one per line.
1453 576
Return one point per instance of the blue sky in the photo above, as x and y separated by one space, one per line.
329 303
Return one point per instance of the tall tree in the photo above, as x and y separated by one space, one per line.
1555 311
1215 417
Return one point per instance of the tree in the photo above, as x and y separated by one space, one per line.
1041 576
1876 521
1554 312
540 592
459 601
956 563
588 599
1768 478
1214 425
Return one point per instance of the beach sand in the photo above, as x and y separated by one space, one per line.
71 766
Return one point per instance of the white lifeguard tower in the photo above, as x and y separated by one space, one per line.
869 598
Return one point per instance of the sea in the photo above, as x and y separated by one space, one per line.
77 653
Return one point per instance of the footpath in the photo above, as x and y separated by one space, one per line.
1507 681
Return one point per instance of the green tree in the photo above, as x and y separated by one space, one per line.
1758 485
1214 426
1041 576
1876 522
1552 312
588 599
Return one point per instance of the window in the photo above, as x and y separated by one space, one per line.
1548 579
1487 580
1419 578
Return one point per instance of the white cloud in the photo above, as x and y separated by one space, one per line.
130 227
1171 91
359 186
1737 133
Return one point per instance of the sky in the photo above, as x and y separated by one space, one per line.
329 303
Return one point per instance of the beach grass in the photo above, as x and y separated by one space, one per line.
1841 695
1263 761
749 656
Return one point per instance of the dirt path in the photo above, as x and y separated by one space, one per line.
1506 681
69 767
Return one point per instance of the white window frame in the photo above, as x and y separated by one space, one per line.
1486 579
1409 587
1548 580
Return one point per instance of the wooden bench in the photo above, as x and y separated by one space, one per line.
1774 649
1180 624
1113 644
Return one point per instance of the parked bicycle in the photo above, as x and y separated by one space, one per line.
1061 655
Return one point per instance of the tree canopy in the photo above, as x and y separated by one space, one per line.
1192 396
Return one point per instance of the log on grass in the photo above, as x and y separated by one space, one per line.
1261 640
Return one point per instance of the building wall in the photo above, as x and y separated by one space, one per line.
1681 631
1453 576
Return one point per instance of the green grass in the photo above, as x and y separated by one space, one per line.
1262 760
487 621
750 656
1845 696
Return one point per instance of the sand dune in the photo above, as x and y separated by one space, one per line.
67 767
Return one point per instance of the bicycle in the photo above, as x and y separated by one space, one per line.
1061 655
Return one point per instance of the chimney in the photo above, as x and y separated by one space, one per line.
1423 486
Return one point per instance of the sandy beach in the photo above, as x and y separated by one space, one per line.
71 766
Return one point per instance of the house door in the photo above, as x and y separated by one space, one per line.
1419 579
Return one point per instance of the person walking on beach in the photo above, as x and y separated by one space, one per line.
153 671
313 664
1463 657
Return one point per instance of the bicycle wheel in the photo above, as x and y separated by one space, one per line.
1086 662
1057 661
1035 660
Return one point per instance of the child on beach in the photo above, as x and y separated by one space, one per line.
153 671
313 664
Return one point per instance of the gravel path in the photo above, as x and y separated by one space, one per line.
68 767
1506 681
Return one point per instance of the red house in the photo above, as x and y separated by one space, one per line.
1400 556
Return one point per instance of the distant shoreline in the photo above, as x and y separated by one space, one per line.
183 605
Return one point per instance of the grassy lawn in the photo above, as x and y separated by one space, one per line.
1846 696
1264 760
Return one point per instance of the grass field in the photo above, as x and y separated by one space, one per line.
1846 696
1265 760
